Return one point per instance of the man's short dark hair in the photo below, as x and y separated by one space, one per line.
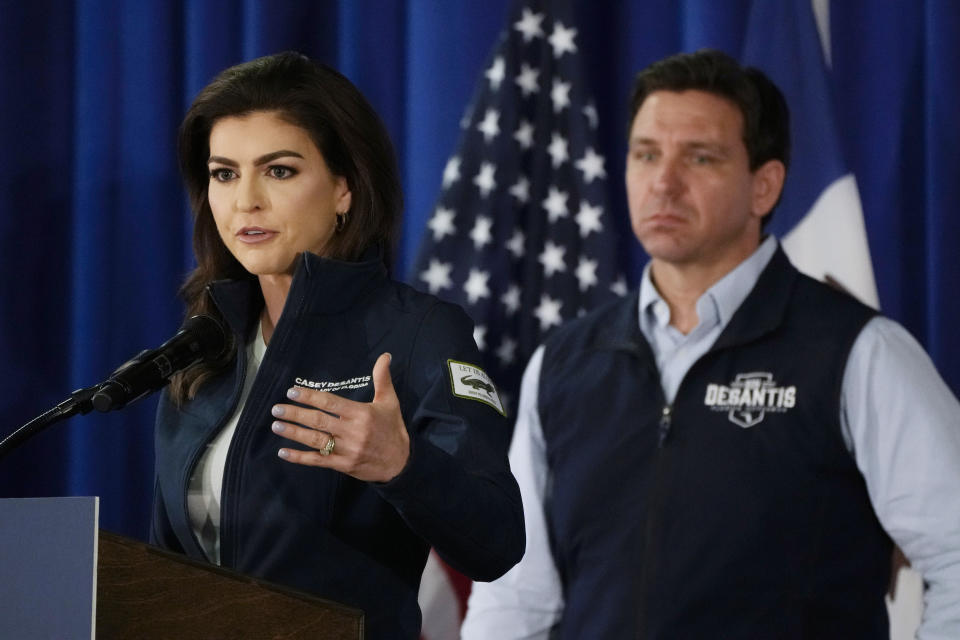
766 118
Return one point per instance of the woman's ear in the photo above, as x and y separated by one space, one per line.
344 196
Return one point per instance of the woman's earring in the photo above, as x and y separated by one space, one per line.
341 220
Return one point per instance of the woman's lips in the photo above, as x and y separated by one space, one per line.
255 235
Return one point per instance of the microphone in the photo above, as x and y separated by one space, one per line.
200 338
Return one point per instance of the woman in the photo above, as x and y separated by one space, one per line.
337 439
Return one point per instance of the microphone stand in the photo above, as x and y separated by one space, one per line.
80 401
199 338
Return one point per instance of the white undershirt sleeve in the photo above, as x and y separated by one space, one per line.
527 601
903 425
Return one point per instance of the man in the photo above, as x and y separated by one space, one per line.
728 452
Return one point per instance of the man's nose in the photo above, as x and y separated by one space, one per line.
669 177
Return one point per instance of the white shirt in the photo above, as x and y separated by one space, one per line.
206 483
900 422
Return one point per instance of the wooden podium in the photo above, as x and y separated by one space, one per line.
64 579
145 592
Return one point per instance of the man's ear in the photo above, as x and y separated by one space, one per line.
767 185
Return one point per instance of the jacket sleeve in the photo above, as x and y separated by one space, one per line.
456 491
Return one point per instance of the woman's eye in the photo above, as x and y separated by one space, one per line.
222 175
280 172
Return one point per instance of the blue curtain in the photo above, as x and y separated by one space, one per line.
97 229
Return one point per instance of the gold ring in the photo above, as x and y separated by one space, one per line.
328 448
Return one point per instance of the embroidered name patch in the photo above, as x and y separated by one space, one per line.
750 397
335 385
473 383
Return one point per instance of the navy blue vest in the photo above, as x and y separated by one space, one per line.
737 512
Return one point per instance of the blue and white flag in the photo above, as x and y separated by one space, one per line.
820 218
521 235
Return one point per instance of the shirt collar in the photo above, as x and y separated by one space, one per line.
725 296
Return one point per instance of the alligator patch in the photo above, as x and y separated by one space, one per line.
472 383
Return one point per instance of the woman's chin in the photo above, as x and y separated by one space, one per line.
266 269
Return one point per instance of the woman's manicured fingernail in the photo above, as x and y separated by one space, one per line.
277 427
283 453
277 410
293 393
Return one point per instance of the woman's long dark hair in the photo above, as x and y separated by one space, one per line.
350 136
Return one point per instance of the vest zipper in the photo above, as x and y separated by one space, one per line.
666 420
655 503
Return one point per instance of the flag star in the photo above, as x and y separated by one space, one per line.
586 273
476 285
562 40
490 126
484 180
515 244
588 219
480 234
437 275
560 95
556 204
442 223
591 112
511 299
506 352
521 190
548 312
530 25
524 134
451 172
527 80
558 150
591 164
619 287
480 337
496 73
552 259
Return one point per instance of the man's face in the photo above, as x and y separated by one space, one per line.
693 199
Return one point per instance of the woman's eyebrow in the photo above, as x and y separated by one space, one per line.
264 159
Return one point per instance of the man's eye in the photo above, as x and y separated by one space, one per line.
222 175
702 159
644 156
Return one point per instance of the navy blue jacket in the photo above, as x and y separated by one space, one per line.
735 512
358 543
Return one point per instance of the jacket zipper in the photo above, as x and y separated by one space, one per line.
244 433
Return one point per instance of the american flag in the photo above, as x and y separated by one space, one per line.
520 236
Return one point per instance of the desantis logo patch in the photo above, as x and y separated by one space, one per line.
750 397
473 383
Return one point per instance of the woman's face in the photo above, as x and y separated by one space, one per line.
270 191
